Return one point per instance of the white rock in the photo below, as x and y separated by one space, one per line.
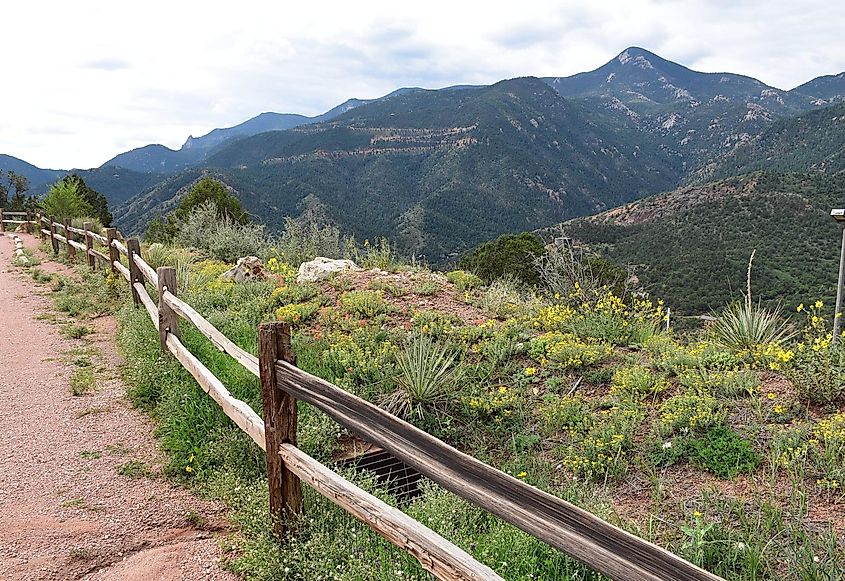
322 268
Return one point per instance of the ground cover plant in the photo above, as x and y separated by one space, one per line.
727 453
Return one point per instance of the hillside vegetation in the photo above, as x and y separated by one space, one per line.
450 170
692 245
731 438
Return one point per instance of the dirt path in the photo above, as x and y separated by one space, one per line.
80 494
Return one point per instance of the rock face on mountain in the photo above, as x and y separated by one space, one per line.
693 114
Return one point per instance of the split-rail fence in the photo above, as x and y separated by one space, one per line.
564 526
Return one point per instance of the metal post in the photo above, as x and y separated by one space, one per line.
837 313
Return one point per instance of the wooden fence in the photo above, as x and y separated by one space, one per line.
14 219
570 529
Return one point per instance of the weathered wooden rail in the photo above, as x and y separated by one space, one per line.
15 219
572 530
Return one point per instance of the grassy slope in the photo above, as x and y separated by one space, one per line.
510 408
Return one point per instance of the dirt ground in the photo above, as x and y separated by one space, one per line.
81 495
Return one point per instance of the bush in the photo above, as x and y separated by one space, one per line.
730 383
688 413
307 237
568 272
818 368
721 451
464 280
566 413
221 238
365 303
638 382
566 351
65 201
604 315
511 255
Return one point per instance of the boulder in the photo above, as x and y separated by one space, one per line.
247 268
322 268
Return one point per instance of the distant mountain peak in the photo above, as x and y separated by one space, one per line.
636 56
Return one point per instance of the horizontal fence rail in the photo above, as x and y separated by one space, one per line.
562 525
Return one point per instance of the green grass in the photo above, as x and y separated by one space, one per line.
82 381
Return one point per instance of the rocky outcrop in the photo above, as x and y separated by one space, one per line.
322 268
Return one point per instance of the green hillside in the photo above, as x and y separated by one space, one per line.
692 245
440 171
812 141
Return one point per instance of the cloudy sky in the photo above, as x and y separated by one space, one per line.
84 81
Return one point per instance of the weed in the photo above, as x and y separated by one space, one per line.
91 454
721 451
82 381
195 519
76 331
637 381
133 469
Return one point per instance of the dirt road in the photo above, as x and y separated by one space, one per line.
80 492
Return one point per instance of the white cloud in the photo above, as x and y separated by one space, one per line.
92 79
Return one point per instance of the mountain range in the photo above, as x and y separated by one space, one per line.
440 171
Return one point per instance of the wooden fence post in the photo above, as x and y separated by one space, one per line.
279 425
114 253
133 247
89 244
2 225
71 250
53 240
39 225
28 222
168 320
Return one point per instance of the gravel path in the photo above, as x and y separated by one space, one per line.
66 511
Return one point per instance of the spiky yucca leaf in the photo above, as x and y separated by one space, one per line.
746 326
425 377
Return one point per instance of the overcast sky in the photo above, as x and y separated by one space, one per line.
86 80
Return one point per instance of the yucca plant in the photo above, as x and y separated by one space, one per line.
425 377
745 325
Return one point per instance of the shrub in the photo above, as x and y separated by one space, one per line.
365 303
566 351
379 255
566 271
510 255
829 452
65 201
294 293
566 413
731 383
504 298
721 451
299 312
818 368
464 280
688 413
425 377
221 238
307 237
604 315
637 381
601 453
